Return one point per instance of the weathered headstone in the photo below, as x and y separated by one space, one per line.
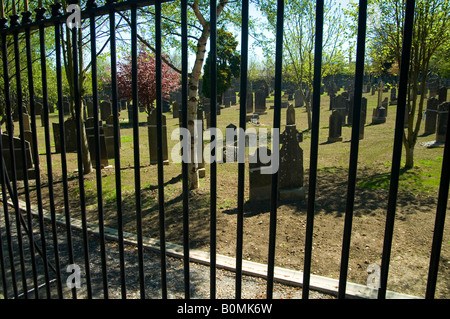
260 102
299 99
130 114
175 109
232 148
90 133
70 134
18 157
431 115
393 97
105 110
290 178
153 139
340 104
108 130
362 122
290 115
335 127
259 184
379 115
249 102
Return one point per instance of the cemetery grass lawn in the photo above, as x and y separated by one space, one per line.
415 215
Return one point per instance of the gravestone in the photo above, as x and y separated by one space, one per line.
66 108
108 130
105 110
233 148
18 157
260 102
379 115
130 114
70 134
393 97
335 127
260 185
380 90
290 115
90 133
442 94
340 104
249 102
290 177
90 109
441 130
431 115
153 139
385 104
362 122
175 109
299 99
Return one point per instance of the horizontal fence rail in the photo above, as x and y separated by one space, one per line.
34 247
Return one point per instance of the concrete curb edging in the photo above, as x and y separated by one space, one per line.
281 275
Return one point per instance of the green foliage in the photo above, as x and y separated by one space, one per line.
228 63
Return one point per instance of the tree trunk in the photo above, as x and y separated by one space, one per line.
409 156
193 103
85 155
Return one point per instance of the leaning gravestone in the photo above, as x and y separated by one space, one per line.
18 157
290 178
153 139
431 115
379 115
260 185
335 127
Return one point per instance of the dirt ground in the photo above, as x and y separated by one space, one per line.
414 224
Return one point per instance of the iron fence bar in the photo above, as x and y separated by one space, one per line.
98 165
23 157
314 148
213 165
46 123
241 165
137 171
439 219
276 125
184 116
4 49
84 14
2 259
397 149
35 152
115 113
80 161
359 76
162 232
8 234
56 12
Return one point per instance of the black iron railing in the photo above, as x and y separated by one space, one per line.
16 31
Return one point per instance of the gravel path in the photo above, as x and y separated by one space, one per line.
252 287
